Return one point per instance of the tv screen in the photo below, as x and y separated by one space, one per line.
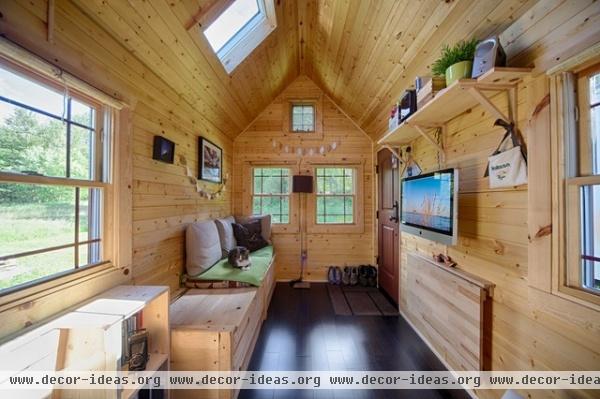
429 204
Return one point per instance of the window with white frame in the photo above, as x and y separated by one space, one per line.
238 30
271 193
54 154
336 192
583 183
303 118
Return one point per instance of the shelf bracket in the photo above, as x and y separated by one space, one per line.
442 134
428 138
512 104
488 106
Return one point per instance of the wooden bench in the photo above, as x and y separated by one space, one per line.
216 330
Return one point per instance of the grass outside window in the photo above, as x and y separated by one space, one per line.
51 179
271 193
335 195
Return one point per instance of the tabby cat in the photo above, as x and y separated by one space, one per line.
239 257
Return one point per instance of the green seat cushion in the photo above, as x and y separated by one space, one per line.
223 271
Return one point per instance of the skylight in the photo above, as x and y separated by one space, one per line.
228 24
236 32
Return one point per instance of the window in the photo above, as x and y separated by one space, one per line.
590 236
238 30
583 183
335 195
303 118
271 193
52 164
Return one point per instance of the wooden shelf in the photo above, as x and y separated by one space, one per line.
155 363
454 100
402 134
123 301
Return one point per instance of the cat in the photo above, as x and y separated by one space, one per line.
239 257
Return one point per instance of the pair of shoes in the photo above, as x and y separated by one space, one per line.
346 276
372 276
363 275
353 275
334 275
331 275
338 275
350 276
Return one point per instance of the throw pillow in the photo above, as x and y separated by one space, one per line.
249 235
226 234
265 224
203 247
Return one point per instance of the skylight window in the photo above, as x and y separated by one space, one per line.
236 32
231 22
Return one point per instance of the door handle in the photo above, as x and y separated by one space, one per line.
396 216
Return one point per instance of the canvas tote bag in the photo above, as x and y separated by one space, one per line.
509 167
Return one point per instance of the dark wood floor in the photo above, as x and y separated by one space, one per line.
303 333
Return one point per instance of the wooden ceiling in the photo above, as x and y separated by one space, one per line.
362 53
155 32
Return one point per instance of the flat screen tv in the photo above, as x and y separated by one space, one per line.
429 206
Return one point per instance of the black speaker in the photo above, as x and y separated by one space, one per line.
302 184
488 54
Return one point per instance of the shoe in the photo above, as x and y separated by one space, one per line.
372 279
331 275
363 276
338 275
346 276
353 275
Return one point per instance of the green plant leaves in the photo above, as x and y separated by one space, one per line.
461 51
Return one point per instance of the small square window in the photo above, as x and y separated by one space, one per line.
303 118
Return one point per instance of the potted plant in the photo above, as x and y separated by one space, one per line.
455 62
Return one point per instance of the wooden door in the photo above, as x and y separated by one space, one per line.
388 229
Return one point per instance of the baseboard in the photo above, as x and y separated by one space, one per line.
471 393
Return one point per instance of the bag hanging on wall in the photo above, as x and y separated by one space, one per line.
507 168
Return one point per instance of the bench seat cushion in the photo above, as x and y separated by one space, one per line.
223 272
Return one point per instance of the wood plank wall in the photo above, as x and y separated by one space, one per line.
255 145
532 329
164 202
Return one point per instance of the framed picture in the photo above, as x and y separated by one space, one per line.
163 149
211 161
